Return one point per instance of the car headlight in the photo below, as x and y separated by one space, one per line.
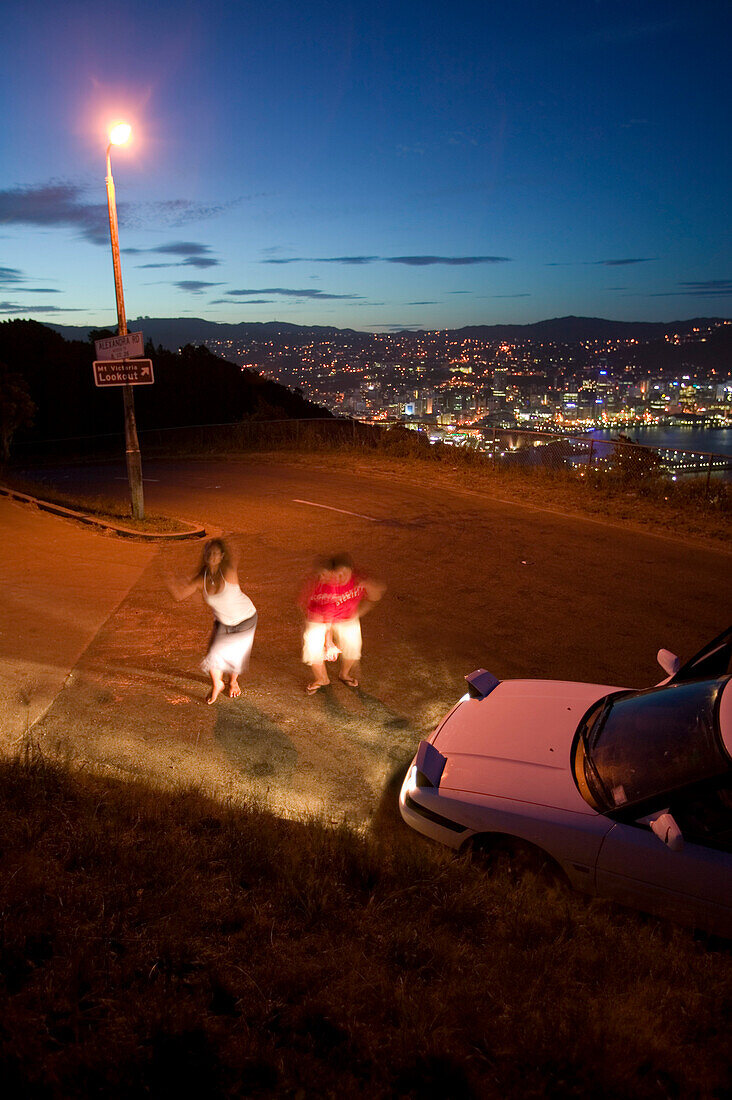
427 769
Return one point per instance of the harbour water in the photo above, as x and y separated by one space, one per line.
709 440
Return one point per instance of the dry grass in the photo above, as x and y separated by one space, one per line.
155 943
104 508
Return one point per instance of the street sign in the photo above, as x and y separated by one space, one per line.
120 347
124 372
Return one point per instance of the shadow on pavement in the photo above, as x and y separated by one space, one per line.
254 743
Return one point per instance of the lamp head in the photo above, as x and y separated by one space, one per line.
119 133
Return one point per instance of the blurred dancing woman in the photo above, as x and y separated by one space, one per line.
234 613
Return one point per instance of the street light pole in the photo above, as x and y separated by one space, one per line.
132 447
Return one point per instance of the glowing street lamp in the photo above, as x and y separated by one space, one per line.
118 135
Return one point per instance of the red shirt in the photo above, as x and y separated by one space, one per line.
332 603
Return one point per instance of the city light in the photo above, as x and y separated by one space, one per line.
441 384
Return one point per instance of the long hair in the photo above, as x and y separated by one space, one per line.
214 544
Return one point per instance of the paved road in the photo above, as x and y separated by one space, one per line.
59 583
471 582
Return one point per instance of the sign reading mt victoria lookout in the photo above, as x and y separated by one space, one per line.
126 372
118 364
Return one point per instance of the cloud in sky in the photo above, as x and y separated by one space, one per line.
709 284
623 263
194 286
355 260
14 309
183 248
194 255
192 261
603 263
55 205
11 276
62 205
247 302
711 288
175 248
451 261
286 292
410 261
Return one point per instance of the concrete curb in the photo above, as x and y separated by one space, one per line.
102 524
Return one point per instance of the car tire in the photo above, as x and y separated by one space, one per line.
514 858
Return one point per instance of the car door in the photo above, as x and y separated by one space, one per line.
692 886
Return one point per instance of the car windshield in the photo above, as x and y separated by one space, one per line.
653 742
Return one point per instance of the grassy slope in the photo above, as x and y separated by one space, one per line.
152 943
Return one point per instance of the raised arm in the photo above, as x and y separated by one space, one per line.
374 591
231 569
181 590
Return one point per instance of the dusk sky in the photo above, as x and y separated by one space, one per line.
416 165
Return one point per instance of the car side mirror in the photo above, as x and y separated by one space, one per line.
665 828
668 661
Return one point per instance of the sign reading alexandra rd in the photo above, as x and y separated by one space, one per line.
126 372
128 346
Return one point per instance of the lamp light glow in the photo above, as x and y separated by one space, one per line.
120 133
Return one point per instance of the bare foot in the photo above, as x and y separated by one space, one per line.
234 690
214 693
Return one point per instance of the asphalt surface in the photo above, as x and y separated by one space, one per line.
59 583
109 662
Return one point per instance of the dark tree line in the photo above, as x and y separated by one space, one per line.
52 379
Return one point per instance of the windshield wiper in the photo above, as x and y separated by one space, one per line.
593 732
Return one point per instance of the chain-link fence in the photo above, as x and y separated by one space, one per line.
503 448
619 461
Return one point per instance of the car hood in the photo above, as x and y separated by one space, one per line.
515 743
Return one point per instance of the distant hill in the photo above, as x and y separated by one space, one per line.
573 330
191 387
175 332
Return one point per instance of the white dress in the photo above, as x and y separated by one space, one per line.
233 634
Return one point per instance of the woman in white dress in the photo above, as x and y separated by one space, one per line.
234 613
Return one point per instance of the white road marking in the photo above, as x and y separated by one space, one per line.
343 511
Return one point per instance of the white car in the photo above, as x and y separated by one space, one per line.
626 794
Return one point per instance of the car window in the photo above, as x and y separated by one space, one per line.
648 743
714 660
705 817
